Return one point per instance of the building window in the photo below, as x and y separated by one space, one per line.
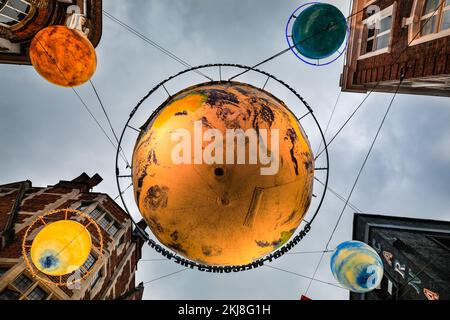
90 262
3 270
445 19
37 294
96 213
105 222
96 278
430 19
13 12
435 17
377 32
23 283
9 294
112 231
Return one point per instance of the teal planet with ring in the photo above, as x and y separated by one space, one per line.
319 31
357 266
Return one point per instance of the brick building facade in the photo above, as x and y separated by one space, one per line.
389 36
111 277
20 20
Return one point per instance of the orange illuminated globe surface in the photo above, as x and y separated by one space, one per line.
61 248
207 208
63 56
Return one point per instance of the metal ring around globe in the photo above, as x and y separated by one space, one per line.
304 230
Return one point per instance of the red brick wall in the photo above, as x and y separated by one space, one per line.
426 59
39 202
6 203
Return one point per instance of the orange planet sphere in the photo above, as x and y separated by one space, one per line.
63 56
202 181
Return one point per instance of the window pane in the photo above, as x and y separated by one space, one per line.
445 24
9 295
19 5
428 26
6 20
113 230
22 283
13 13
89 263
3 271
383 41
370 31
385 24
96 213
95 279
104 222
369 47
37 294
9 12
431 6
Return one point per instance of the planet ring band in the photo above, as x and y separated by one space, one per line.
119 176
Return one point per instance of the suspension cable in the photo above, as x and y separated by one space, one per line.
152 43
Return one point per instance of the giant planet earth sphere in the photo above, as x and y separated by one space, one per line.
63 56
223 173
357 266
61 248
319 31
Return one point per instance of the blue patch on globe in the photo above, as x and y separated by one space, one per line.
49 261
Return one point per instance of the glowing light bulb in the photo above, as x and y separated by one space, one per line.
61 248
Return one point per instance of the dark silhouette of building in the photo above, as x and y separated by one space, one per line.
20 20
415 254
111 277
390 37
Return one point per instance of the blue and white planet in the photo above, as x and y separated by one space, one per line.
357 266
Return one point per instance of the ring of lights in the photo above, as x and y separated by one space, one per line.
40 221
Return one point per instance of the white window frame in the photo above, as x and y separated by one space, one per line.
415 20
439 13
104 213
374 20
17 10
